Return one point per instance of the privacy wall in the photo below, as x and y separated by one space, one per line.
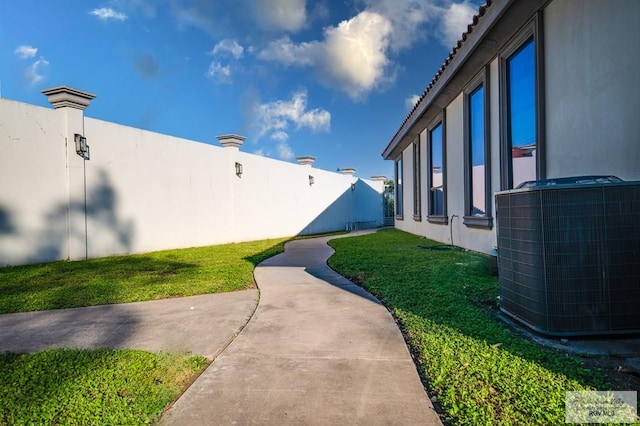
141 191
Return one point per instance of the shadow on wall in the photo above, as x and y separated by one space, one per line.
354 205
6 224
68 221
105 227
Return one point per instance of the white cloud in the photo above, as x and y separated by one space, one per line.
454 22
406 18
274 118
352 56
411 101
25 52
355 53
282 15
219 72
279 135
228 47
33 73
287 52
106 14
284 151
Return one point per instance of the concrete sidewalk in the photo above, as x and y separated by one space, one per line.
199 324
318 350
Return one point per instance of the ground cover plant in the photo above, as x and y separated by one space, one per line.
122 279
480 370
108 386
103 386
70 386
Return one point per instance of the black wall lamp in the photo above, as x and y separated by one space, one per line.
239 169
82 149
311 180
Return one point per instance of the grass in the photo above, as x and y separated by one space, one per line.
482 372
103 386
122 279
108 386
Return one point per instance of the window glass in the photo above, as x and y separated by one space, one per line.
399 201
477 152
416 180
436 193
522 113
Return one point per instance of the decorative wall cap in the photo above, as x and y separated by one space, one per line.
349 171
65 96
231 140
379 178
306 160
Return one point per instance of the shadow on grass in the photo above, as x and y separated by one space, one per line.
64 284
275 249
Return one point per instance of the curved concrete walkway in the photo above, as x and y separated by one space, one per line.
318 350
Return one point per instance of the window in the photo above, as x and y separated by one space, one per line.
477 153
437 174
417 211
399 201
522 106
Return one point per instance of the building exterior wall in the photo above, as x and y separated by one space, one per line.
33 176
592 88
591 98
143 191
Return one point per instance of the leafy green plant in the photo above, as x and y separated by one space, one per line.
103 386
481 371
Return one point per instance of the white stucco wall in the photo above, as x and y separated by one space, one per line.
592 88
147 191
33 183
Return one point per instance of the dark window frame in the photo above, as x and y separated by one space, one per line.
486 221
533 30
417 181
399 183
440 119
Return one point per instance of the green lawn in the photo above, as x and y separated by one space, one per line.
70 386
482 372
96 387
121 279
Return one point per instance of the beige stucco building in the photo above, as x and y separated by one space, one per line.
535 89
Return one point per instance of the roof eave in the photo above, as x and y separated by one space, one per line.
406 132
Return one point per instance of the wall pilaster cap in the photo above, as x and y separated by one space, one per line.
379 178
231 140
65 96
306 160
349 171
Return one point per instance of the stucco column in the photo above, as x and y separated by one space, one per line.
348 171
379 180
70 104
232 143
306 160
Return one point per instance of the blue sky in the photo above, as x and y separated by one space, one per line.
328 78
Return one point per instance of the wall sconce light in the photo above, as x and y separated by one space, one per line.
353 186
311 181
82 149
239 169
